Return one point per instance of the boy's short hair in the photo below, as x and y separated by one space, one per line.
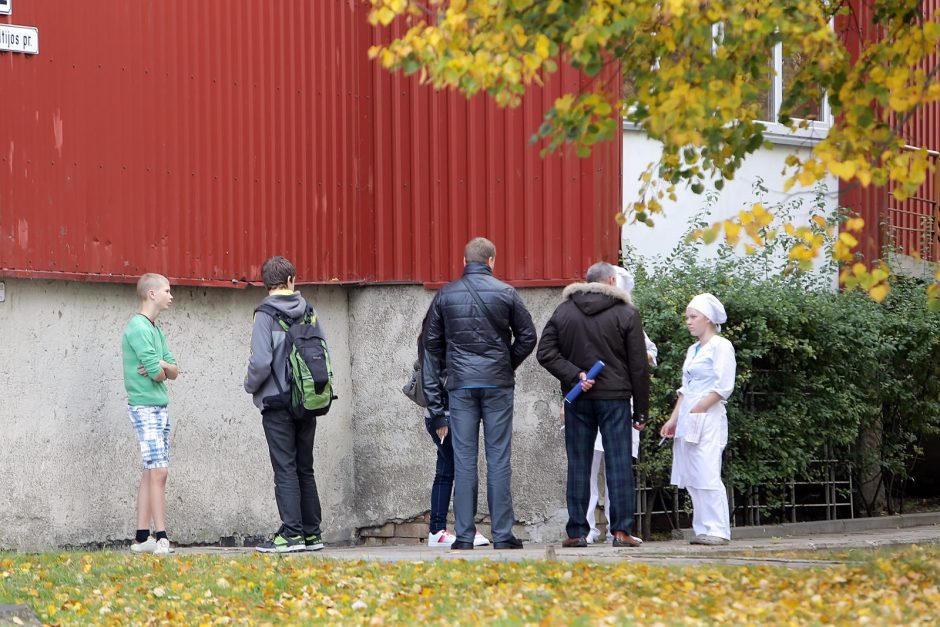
599 272
150 281
479 249
275 272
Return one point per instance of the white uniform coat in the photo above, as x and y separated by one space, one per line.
708 368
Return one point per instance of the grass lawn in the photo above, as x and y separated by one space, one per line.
882 587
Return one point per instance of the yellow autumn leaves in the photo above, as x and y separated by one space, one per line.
469 45
754 228
696 74
117 589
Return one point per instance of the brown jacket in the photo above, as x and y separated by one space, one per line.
598 321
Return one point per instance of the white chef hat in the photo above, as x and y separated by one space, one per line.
624 279
710 307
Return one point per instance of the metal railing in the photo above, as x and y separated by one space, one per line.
914 224
824 492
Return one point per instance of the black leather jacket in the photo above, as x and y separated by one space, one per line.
461 339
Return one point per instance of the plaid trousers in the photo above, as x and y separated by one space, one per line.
612 417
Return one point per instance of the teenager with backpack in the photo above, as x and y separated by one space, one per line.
288 429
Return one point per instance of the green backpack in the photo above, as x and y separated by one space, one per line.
309 371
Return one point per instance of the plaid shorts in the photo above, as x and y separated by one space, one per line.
152 425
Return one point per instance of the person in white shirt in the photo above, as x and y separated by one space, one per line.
625 282
699 422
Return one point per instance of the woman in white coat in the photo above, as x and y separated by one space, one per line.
699 422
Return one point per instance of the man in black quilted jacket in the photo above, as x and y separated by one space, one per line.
480 331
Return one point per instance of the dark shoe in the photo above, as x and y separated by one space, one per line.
313 542
574 543
461 546
622 539
512 543
281 543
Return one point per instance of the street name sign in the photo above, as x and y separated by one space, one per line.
23 39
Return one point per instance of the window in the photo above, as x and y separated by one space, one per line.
784 65
815 111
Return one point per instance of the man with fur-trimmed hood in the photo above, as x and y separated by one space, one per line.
597 321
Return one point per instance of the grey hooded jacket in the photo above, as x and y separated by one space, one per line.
268 350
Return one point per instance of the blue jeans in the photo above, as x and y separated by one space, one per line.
468 408
443 480
612 417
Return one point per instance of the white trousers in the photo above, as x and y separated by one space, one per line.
710 515
592 503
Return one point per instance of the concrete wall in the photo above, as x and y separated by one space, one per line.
69 463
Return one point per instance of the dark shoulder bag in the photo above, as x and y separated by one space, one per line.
414 389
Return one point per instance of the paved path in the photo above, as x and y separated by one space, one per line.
672 552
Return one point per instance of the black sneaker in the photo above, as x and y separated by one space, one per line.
282 544
461 546
313 542
512 543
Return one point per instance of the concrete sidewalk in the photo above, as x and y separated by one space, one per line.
673 552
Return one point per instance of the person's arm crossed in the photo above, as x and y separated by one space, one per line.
168 364
170 371
146 353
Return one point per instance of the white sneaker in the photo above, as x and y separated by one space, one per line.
147 546
592 536
163 547
442 539
480 540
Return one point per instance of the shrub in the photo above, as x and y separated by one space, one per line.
816 367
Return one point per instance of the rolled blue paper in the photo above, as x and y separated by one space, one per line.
591 374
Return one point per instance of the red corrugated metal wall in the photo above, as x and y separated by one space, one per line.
875 204
462 168
914 221
197 138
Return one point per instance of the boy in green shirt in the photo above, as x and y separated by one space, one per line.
148 363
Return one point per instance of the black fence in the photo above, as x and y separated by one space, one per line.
825 492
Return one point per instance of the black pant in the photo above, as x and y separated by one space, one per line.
290 443
443 479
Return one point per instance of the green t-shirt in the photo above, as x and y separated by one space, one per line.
144 343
